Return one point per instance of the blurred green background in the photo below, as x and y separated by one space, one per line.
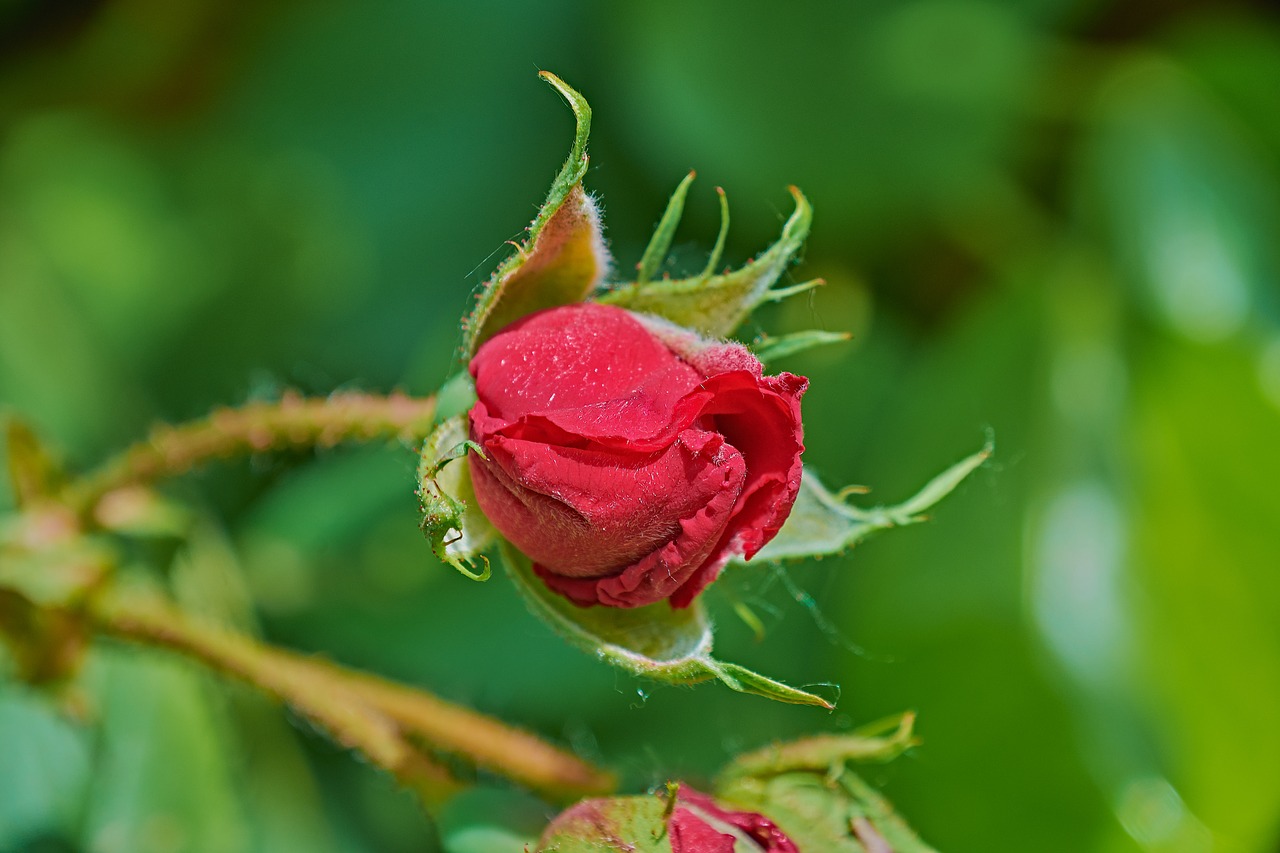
1056 219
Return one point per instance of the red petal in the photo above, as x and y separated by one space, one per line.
581 513
690 834
575 361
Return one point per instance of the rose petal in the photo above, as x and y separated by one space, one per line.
690 834
631 464
581 513
576 362
756 826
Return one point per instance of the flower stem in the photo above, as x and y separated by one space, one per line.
397 727
291 422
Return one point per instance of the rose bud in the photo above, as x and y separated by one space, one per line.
699 825
628 458
693 823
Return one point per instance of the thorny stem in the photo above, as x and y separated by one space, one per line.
388 722
292 422
400 729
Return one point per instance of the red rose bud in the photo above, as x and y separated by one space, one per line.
627 458
699 825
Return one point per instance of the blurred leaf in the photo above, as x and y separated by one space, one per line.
656 252
33 472
44 769
1190 209
491 820
166 778
1205 557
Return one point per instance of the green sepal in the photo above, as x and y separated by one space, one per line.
834 811
453 524
769 349
713 260
660 244
807 789
716 305
456 396
878 742
823 523
634 824
656 641
563 257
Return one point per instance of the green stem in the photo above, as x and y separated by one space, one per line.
292 422
389 723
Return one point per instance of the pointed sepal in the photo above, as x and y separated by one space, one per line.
563 257
717 304
876 743
771 349
660 244
823 523
808 790
454 526
656 641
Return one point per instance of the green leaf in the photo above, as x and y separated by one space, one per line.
33 471
717 304
167 757
485 819
656 641
656 252
453 524
562 259
822 523
48 764
769 350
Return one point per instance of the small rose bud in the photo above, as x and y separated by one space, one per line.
699 825
627 458
693 823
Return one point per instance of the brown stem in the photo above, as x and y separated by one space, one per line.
384 720
293 421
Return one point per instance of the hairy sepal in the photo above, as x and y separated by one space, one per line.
716 305
823 523
458 532
771 349
655 641
563 257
